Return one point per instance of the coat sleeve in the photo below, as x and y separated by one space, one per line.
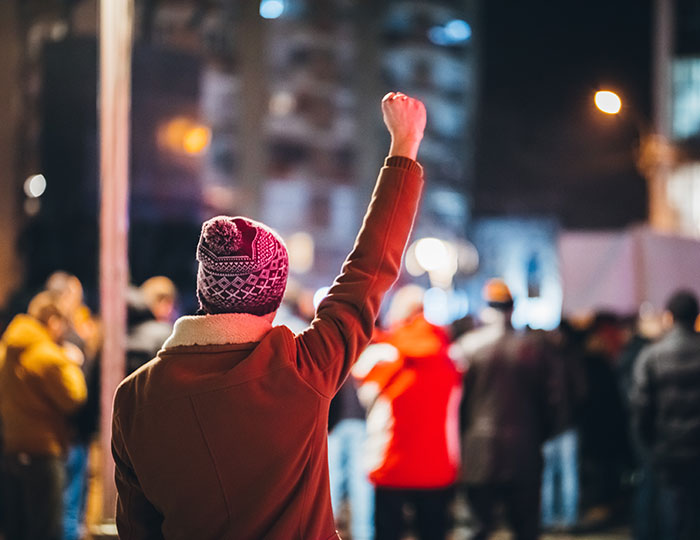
136 517
62 380
345 319
642 399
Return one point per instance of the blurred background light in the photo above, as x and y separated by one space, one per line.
431 254
458 30
184 136
413 267
441 307
438 36
32 207
300 246
282 103
319 295
196 140
608 102
435 308
468 257
453 32
271 9
35 185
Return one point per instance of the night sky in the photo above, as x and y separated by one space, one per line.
543 148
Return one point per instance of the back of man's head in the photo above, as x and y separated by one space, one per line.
44 306
159 293
68 291
683 307
46 309
497 295
243 267
406 303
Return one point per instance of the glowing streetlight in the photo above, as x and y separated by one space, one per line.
431 253
182 135
34 186
608 102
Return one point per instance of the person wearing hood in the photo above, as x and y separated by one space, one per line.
411 390
41 385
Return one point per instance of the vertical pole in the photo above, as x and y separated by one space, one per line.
251 51
661 214
369 89
116 20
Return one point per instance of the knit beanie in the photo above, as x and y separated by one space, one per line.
243 267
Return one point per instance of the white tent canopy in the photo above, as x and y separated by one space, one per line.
618 271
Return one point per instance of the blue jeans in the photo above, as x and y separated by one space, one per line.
75 492
560 489
348 477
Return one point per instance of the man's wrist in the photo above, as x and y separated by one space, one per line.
405 147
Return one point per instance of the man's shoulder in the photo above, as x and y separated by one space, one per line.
134 384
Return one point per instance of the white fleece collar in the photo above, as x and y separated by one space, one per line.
220 329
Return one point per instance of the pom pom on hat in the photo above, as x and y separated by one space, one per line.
222 235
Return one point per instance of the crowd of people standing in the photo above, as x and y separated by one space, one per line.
271 428
49 400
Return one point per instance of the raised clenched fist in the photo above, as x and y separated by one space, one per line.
405 119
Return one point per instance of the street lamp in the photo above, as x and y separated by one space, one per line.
653 159
608 102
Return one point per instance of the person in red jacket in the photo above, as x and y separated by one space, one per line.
224 434
412 391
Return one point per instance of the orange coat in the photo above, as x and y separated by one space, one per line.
412 390
224 434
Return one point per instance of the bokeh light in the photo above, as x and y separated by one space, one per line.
196 140
300 246
182 135
608 102
282 103
413 267
454 32
271 9
431 254
458 30
34 186
435 306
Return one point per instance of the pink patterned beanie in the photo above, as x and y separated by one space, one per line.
243 267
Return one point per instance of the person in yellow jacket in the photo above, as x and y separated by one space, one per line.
40 385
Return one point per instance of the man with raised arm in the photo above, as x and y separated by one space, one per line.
224 434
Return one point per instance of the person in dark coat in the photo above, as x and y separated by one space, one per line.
665 400
504 420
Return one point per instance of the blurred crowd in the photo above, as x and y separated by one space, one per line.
470 427
456 432
50 400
